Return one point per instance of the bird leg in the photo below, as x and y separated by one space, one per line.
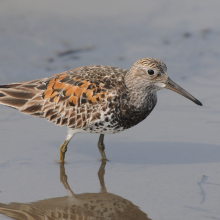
63 149
63 146
101 147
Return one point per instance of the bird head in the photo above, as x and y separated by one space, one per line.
152 73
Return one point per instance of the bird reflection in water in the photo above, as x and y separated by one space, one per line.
85 206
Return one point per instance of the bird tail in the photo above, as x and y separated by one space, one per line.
25 96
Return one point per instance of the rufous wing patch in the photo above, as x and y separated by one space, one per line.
74 98
47 93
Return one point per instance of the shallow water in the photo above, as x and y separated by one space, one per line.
168 166
100 205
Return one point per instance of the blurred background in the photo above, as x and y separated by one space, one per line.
36 34
169 152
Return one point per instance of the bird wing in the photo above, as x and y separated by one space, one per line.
73 98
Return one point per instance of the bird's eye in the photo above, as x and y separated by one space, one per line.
150 72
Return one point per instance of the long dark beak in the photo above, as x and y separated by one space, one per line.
174 87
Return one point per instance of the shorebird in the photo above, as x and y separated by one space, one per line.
94 99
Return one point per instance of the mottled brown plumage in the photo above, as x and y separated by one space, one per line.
96 99
73 98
